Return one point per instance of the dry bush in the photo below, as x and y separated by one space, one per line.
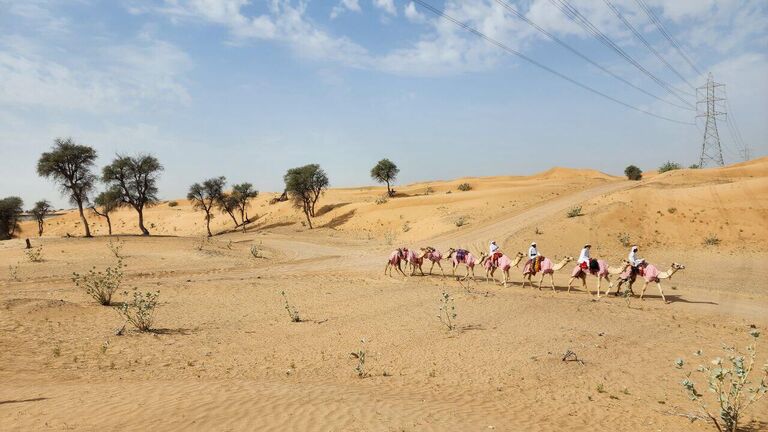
464 187
115 246
140 311
574 211
360 356
672 210
101 285
447 312
172 204
460 221
293 313
711 240
625 240
35 255
382 200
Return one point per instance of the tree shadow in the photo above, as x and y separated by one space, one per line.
3 402
275 225
340 219
470 327
327 208
754 426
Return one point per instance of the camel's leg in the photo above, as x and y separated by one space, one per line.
599 279
552 281
642 293
441 268
400 269
658 284
584 284
431 267
570 282
387 268
526 280
541 279
421 269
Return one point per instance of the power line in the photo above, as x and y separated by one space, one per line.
536 63
665 33
645 42
513 11
574 15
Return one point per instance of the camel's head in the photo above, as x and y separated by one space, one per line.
568 258
519 255
677 266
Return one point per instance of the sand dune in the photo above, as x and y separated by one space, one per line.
226 356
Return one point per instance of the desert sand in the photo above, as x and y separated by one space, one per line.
225 356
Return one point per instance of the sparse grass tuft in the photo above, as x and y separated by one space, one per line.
256 251
574 211
382 200
672 210
292 311
460 221
464 187
406 227
360 356
625 240
13 273
711 240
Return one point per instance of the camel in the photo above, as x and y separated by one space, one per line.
651 274
416 261
547 267
394 262
504 263
434 256
604 272
466 258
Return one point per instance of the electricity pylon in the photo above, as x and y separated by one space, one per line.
710 146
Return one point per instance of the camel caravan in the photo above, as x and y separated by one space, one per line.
402 259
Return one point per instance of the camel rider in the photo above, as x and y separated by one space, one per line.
634 261
495 253
584 257
533 254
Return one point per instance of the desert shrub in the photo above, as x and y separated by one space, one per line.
669 166
140 311
625 240
256 251
35 255
464 187
389 237
101 285
429 190
360 356
694 166
574 211
633 173
460 221
172 204
293 313
406 227
382 200
711 240
115 246
672 210
729 380
447 312
13 273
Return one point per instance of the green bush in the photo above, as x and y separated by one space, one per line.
633 173
173 204
669 166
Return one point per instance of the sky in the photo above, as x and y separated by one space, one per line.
249 88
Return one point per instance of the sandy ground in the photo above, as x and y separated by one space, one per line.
225 355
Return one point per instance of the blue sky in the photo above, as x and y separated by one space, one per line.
248 89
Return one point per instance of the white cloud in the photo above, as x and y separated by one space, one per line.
141 73
412 14
343 6
387 6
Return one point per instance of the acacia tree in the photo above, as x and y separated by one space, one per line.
10 211
109 200
136 179
40 211
385 172
305 185
244 192
69 164
205 196
227 203
633 173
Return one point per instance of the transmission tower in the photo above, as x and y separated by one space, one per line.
711 151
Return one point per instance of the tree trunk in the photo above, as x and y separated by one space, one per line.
234 219
109 223
208 223
39 227
144 230
306 213
389 190
82 216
